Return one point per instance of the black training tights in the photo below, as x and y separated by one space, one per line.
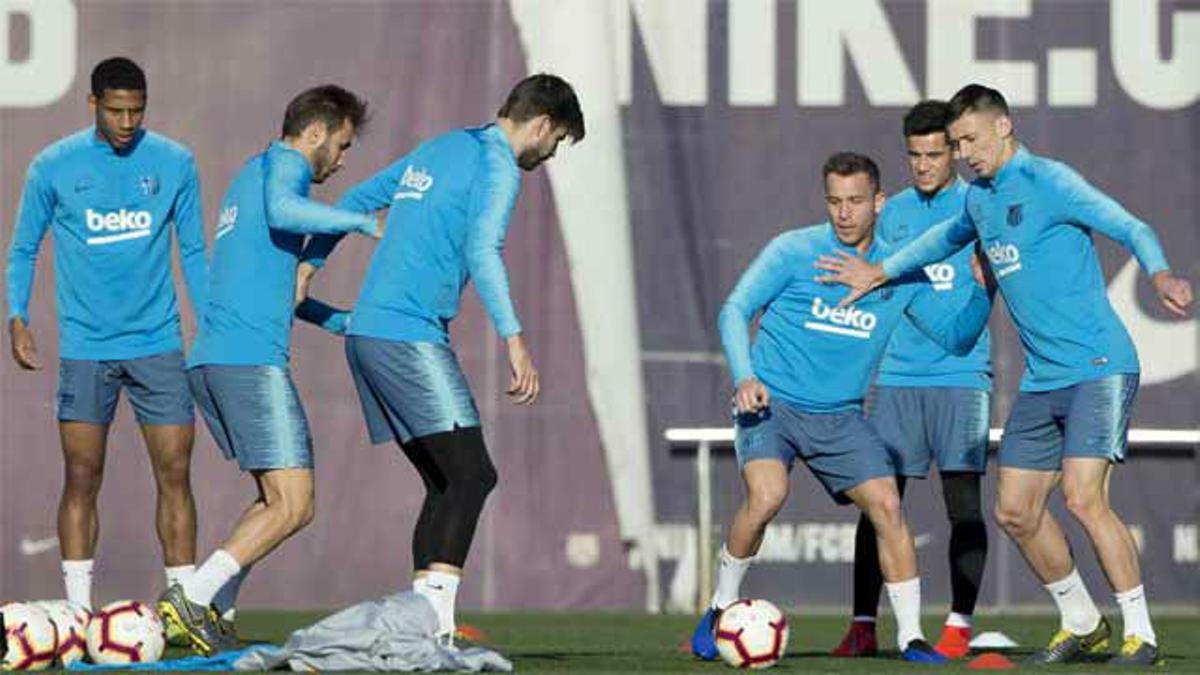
458 476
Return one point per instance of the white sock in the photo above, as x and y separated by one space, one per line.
905 597
178 574
730 572
441 589
863 618
203 585
77 577
1075 606
1135 614
957 620
226 598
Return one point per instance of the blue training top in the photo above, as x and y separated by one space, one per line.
912 358
809 352
265 217
450 200
1036 218
110 212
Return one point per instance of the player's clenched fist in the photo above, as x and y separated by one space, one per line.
751 396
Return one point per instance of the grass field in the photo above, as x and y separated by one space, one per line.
620 643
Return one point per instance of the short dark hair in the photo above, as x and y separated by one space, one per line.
977 98
117 72
545 94
927 117
850 163
327 103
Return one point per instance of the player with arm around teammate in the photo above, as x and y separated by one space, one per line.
238 367
1068 426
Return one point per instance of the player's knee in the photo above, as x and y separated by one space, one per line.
83 479
765 499
174 476
884 509
1018 520
964 503
488 478
1084 504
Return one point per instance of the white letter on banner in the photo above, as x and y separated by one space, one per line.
675 35
861 28
950 51
47 74
752 30
1165 85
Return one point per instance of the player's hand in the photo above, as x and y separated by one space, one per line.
304 274
981 269
524 387
850 270
24 350
751 396
1174 292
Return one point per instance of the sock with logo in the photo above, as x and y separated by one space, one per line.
177 574
730 572
77 577
905 597
441 589
1135 614
203 585
1075 606
225 601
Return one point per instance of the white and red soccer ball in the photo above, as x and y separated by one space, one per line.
125 631
752 634
30 635
71 622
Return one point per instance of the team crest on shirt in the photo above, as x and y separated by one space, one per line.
84 184
148 185
1015 215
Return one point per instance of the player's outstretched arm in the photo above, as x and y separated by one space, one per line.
938 243
289 208
330 318
373 194
1089 207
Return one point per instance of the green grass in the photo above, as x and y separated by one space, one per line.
622 642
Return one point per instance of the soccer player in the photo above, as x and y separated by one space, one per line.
799 390
1035 218
238 367
111 194
930 404
449 204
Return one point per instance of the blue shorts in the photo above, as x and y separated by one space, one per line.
841 449
157 388
920 424
1088 419
254 415
409 389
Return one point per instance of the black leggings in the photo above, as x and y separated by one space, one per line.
458 476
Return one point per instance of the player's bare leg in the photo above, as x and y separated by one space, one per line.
1021 512
170 448
1085 485
879 498
84 447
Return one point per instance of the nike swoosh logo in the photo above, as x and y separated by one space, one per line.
439 587
1167 349
38 546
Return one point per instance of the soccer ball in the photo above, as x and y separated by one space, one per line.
125 631
71 620
752 634
30 635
